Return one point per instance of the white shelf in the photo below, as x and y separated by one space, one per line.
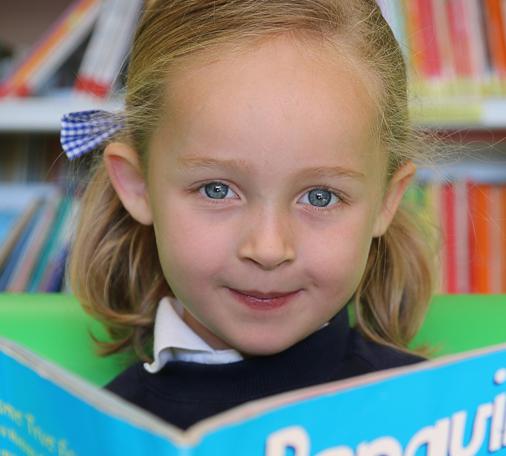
44 114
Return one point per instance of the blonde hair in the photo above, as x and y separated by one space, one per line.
114 269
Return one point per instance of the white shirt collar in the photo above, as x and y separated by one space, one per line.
174 340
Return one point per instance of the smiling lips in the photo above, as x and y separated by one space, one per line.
263 301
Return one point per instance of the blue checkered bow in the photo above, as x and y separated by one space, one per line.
83 131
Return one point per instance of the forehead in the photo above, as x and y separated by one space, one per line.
280 95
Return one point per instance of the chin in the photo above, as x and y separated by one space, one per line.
263 347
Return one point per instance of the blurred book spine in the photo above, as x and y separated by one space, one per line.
470 217
452 47
48 54
36 227
104 27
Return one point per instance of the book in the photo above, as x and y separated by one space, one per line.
30 254
495 235
12 263
47 55
462 226
53 245
467 202
18 203
452 405
496 34
479 237
108 47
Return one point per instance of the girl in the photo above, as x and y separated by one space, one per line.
251 190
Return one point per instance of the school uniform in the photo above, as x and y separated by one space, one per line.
189 381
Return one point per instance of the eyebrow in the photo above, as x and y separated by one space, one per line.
242 165
205 162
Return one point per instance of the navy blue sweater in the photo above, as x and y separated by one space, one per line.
183 393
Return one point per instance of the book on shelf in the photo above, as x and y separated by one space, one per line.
452 47
35 227
470 213
451 405
47 274
108 47
111 24
53 48
14 219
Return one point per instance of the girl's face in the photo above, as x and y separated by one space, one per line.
265 187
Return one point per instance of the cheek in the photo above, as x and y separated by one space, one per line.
338 256
189 246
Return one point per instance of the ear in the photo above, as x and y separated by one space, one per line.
396 188
122 164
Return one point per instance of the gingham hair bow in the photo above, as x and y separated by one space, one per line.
83 131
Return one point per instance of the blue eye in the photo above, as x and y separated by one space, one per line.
216 190
320 197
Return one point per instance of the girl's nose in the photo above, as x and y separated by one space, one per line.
268 240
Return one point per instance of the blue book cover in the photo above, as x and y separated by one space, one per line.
450 406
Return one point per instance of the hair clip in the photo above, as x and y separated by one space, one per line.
83 131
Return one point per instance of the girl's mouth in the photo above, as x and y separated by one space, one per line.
264 301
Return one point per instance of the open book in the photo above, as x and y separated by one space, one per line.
451 406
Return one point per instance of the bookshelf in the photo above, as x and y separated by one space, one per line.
467 109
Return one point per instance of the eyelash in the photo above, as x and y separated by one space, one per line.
340 199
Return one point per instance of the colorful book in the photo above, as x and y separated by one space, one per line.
480 64
453 405
52 279
449 237
479 237
28 257
496 33
443 40
108 47
19 201
52 246
429 42
15 257
495 234
52 49
462 264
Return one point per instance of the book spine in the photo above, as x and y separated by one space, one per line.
431 58
15 234
495 239
414 39
28 257
461 237
93 57
15 257
70 40
496 35
51 246
104 56
460 39
16 83
478 43
448 223
443 40
479 239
